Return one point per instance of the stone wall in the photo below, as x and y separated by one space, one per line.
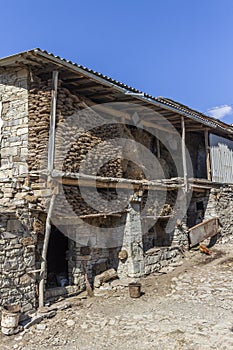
17 260
14 129
220 204
158 257
197 207
25 112
94 244
18 239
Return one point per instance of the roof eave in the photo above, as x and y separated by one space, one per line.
125 89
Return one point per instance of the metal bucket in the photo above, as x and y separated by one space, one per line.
10 318
135 290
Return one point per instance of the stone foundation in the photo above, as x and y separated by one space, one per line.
220 204
17 261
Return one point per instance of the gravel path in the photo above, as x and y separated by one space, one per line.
190 307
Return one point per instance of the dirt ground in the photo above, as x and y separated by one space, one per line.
189 306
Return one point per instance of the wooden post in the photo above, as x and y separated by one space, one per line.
184 155
51 150
207 150
44 251
51 145
1 124
158 146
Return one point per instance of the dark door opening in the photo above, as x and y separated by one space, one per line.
57 265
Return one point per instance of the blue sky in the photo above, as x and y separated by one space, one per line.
181 49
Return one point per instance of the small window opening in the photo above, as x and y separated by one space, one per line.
200 212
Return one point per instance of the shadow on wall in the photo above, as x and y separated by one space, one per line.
90 247
196 147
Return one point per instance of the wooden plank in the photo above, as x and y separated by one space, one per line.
75 220
160 217
51 145
44 251
205 229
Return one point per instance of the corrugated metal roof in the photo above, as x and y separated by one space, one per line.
162 102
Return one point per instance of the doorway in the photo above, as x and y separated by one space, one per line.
57 264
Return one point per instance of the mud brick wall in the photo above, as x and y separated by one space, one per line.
17 259
14 116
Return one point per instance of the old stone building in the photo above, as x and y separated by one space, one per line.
79 194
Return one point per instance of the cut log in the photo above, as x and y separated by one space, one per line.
105 276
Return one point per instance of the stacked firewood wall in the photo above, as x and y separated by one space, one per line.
82 136
71 202
77 133
78 138
38 129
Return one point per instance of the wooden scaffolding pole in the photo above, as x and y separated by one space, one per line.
51 151
184 160
51 146
44 252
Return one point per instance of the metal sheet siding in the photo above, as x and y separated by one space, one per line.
221 154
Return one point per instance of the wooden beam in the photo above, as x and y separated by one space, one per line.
197 128
158 127
207 150
44 251
198 188
75 220
160 217
136 184
158 150
127 116
184 155
51 145
87 216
